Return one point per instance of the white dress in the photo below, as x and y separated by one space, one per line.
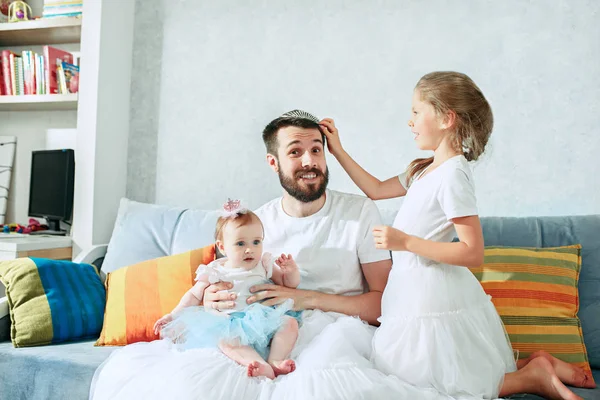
438 327
241 279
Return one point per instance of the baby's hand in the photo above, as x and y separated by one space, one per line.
286 264
158 325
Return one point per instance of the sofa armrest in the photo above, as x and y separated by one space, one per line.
3 306
90 255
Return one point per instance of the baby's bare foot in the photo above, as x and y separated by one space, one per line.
256 368
283 367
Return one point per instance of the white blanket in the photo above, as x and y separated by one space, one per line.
332 357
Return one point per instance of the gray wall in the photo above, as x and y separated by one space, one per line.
209 75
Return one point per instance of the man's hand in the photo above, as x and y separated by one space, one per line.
275 294
388 238
217 297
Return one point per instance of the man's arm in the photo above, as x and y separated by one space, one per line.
368 305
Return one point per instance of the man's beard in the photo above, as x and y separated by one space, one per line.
306 193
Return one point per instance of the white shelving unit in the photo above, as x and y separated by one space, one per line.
104 39
28 117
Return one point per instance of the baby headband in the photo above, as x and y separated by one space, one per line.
231 208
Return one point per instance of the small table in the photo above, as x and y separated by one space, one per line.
54 247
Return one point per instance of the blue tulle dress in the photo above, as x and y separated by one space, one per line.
253 325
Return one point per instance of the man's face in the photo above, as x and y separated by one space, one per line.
301 163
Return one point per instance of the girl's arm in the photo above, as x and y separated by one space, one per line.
468 252
371 186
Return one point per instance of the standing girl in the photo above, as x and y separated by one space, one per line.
438 327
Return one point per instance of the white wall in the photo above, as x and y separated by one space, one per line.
227 68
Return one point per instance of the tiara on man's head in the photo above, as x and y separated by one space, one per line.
301 114
231 208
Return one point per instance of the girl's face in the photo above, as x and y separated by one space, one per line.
425 124
243 245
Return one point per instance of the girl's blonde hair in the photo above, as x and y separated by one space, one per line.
456 92
241 218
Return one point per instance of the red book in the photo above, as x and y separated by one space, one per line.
6 81
52 56
2 89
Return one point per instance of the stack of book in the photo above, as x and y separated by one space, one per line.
62 8
31 73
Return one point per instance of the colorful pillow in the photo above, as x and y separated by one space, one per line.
140 294
52 301
535 293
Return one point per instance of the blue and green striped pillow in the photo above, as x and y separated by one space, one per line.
52 301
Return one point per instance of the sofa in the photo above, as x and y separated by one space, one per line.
143 231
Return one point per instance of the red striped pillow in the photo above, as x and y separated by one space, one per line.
535 293
138 295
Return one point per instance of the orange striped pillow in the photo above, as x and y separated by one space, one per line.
138 295
535 293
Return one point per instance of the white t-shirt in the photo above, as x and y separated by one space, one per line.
433 200
328 246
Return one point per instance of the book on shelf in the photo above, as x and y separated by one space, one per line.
29 73
62 8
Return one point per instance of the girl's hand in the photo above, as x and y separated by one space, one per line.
389 238
331 133
158 325
286 264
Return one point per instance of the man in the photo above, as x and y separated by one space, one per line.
329 233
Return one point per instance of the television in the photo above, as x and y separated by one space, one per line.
51 188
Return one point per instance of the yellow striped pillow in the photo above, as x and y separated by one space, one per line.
136 296
535 293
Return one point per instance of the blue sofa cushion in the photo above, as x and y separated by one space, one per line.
60 371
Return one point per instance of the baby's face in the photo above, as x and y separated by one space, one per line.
243 245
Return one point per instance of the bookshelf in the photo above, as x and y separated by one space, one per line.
41 32
100 112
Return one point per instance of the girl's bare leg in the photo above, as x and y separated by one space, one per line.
281 346
537 377
248 357
567 373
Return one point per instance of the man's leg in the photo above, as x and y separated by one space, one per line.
248 357
281 346
537 377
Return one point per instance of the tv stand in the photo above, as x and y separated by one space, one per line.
49 232
53 228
